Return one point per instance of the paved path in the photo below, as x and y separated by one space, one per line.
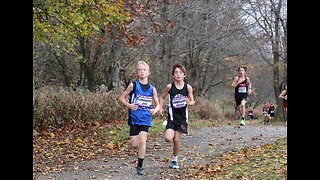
197 148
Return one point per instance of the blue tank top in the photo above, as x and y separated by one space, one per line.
143 98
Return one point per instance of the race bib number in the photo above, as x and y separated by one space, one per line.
179 101
143 101
242 90
271 111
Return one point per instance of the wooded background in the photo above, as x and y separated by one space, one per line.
89 43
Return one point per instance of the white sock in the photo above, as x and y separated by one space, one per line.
174 158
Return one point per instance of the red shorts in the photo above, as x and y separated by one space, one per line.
285 104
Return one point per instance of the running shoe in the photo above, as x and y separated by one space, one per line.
242 122
174 165
140 170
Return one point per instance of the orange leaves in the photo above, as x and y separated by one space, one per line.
133 39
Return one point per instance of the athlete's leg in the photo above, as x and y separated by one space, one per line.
134 136
176 142
169 135
142 142
243 108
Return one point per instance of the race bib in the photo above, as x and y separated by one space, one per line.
242 90
143 101
179 101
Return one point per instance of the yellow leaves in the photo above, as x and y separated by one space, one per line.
72 156
85 26
79 140
78 18
76 22
48 154
110 145
75 18
52 135
95 27
217 168
67 141
46 30
267 161
268 146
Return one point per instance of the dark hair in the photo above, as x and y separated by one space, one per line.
181 67
244 67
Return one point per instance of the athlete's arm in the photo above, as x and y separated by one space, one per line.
123 96
235 81
156 100
190 99
282 94
249 85
163 96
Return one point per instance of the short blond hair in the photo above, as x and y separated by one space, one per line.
142 63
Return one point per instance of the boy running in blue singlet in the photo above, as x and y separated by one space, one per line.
180 98
242 86
140 110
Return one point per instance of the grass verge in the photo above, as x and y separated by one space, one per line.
262 162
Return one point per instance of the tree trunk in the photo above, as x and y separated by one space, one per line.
87 66
112 69
167 43
276 56
192 67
